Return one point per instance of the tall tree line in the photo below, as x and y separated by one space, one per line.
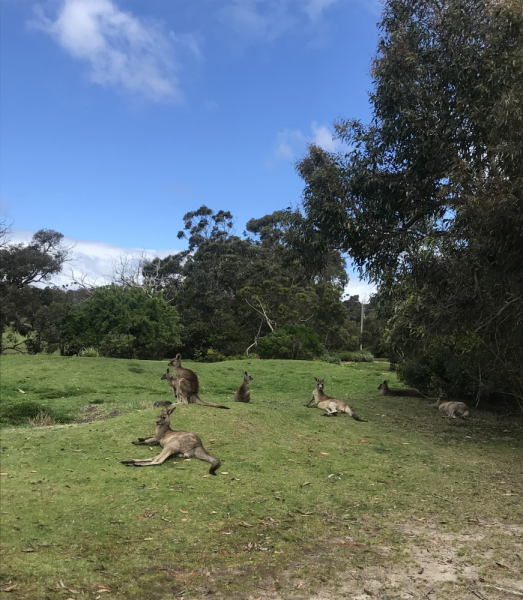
428 200
223 296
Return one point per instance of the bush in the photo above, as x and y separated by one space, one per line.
24 412
331 357
89 353
209 356
297 342
123 323
359 356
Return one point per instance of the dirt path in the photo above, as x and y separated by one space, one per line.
436 565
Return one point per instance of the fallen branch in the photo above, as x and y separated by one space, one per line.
504 590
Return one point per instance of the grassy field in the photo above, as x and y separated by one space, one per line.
406 505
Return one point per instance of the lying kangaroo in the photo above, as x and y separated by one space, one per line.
187 384
332 406
243 393
411 392
452 409
182 443
172 381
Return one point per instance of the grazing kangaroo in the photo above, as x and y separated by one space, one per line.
187 385
243 393
410 392
452 409
332 406
182 443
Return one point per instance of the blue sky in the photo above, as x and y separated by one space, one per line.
118 116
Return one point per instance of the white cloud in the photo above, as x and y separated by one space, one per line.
93 260
292 143
359 287
314 8
263 21
122 50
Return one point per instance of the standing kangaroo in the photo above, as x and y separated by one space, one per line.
188 386
172 381
452 409
243 393
410 392
332 406
182 443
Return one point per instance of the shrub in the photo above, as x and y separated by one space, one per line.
89 353
359 356
22 413
297 342
42 419
331 357
209 356
123 323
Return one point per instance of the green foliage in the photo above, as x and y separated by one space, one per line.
20 413
332 358
356 356
429 198
210 356
296 342
21 267
124 323
89 353
231 291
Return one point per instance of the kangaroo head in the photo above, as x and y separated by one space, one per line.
246 376
176 362
164 376
320 383
383 385
164 418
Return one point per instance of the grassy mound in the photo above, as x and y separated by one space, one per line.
302 507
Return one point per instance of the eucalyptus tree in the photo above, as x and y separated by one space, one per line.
428 197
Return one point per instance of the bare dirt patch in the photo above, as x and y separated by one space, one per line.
484 562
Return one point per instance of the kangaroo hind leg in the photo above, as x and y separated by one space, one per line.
156 460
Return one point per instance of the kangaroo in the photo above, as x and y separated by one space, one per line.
452 409
410 392
182 443
243 393
332 406
172 381
188 385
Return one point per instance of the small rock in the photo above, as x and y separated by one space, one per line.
160 403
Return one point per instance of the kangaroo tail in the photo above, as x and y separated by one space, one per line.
198 400
355 417
202 454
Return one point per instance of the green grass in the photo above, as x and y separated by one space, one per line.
300 500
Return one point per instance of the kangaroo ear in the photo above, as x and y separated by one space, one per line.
172 410
323 380
316 379
245 373
179 356
168 370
